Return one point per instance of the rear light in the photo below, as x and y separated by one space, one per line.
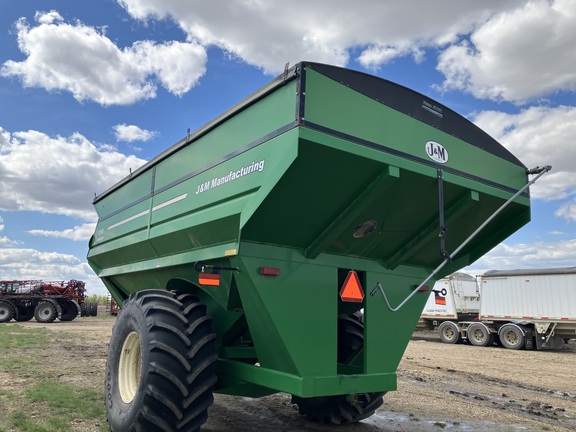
212 279
269 271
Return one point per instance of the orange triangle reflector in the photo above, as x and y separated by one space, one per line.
351 290
212 279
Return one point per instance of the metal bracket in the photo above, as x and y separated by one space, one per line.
200 267
443 228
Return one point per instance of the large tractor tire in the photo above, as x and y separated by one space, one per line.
45 312
25 314
69 311
6 311
342 409
93 309
161 364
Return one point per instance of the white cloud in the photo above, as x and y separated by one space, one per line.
99 70
58 175
269 34
517 50
376 55
539 136
567 211
20 259
6 242
534 255
4 138
78 233
130 133
517 55
48 17
31 264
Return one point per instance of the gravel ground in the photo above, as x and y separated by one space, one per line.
452 387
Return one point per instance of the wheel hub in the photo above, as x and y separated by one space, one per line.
511 337
129 367
477 335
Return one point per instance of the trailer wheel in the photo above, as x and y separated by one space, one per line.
93 309
479 335
69 311
161 364
25 314
6 311
342 409
449 333
90 309
45 312
512 337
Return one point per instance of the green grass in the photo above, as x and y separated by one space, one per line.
23 423
64 404
16 342
67 399
37 402
16 336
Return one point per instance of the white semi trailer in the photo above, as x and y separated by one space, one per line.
531 309
453 299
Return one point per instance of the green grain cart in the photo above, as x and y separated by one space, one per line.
287 246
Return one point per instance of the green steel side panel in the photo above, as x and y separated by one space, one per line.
175 272
244 131
344 144
318 211
359 161
193 215
293 323
286 314
387 333
272 113
312 386
138 187
341 109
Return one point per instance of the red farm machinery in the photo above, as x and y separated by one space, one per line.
45 301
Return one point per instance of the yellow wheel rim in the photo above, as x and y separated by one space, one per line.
129 367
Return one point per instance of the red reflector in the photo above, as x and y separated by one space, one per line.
351 290
422 288
209 279
269 271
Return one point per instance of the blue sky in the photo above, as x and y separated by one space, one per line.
90 90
